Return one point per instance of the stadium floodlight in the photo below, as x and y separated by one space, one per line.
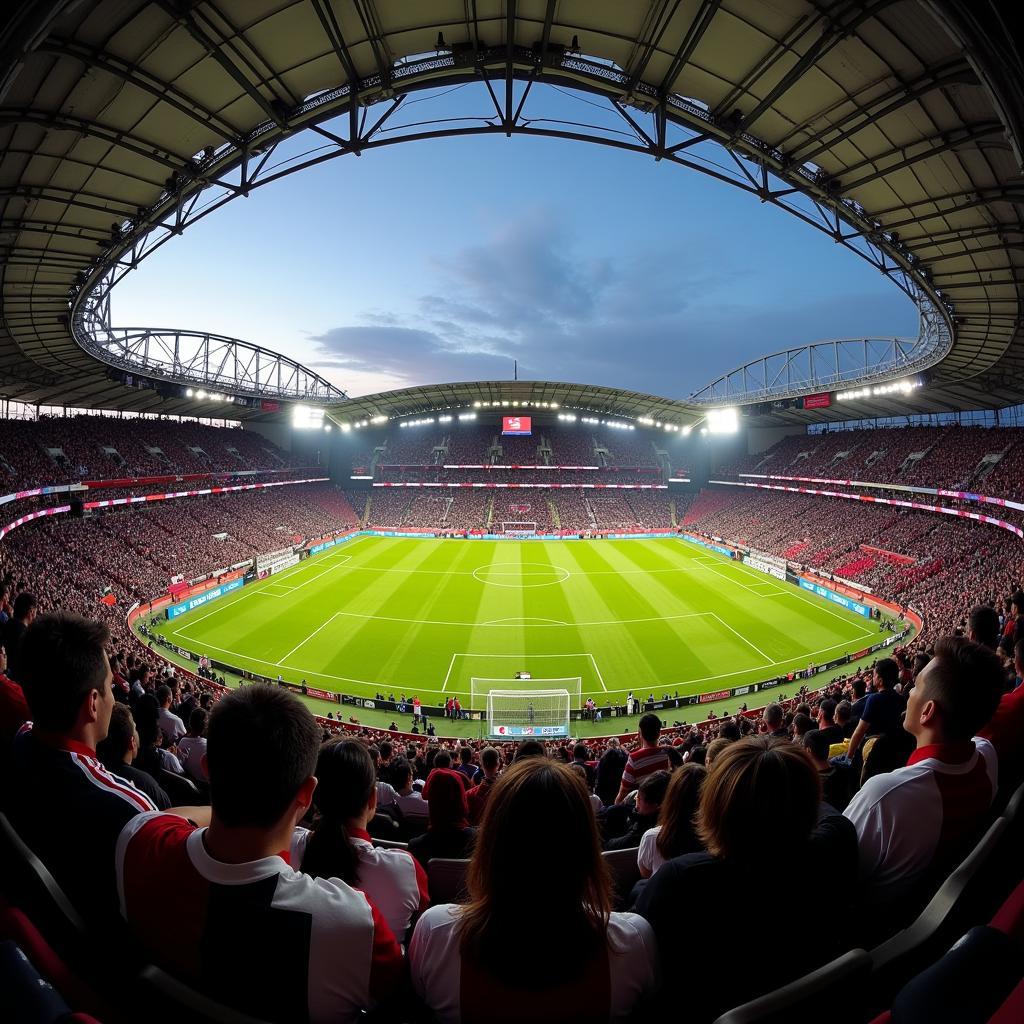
723 421
200 393
189 393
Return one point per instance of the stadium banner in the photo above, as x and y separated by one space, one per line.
55 511
704 544
174 610
707 698
514 486
940 492
272 556
461 465
840 599
317 548
279 565
769 568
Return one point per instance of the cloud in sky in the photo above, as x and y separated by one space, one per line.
665 318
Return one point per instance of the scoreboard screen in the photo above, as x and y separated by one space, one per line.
521 426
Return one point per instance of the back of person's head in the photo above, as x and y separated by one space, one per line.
678 809
262 745
446 799
386 750
759 802
650 727
537 845
844 712
729 731
816 742
490 759
24 603
346 782
120 733
443 759
163 695
197 722
580 752
715 747
983 623
828 709
698 754
860 686
653 788
529 748
63 662
401 772
961 686
887 672
773 716
466 755
801 724
613 743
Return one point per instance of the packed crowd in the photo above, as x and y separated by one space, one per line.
882 781
57 450
988 460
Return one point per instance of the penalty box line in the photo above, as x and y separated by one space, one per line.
523 657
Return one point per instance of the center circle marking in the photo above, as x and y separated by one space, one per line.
519 573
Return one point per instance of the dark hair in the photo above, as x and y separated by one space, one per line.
759 802
677 835
163 694
62 661
580 750
23 604
346 781
650 727
802 724
729 731
828 709
860 687
984 623
844 712
537 845
489 758
112 748
698 754
888 671
443 759
654 786
529 748
773 715
401 772
966 681
817 743
281 730
466 755
197 721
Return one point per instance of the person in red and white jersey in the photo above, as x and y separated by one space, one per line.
488 960
921 818
62 801
646 759
247 928
340 847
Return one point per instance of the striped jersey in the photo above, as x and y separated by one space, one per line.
643 762
257 936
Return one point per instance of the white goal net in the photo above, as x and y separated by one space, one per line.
525 707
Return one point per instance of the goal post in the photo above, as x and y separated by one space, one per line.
515 708
517 714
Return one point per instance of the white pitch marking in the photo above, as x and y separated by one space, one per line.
308 638
744 639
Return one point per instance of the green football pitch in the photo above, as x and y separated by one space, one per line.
423 617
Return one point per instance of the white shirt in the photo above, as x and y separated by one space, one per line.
436 964
648 856
386 794
191 750
170 725
393 879
904 818
413 805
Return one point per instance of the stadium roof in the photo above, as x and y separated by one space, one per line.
898 123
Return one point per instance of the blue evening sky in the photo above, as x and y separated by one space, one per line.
444 260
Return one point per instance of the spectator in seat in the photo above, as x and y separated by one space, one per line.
646 759
192 746
836 778
14 710
487 960
983 626
919 819
340 847
774 722
476 798
119 749
409 801
609 772
22 617
580 756
676 832
170 724
63 801
644 816
466 766
882 714
449 833
827 724
758 819
248 929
